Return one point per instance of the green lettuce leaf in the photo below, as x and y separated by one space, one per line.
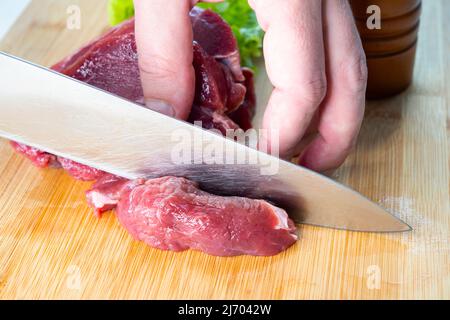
237 13
120 10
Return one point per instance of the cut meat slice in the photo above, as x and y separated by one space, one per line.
244 114
236 91
39 158
173 214
213 33
211 119
211 88
106 192
80 171
215 87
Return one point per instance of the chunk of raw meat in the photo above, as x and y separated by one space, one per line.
106 192
80 171
211 89
212 119
215 87
109 63
236 91
173 214
244 114
216 37
39 158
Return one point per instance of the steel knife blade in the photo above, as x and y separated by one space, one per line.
66 117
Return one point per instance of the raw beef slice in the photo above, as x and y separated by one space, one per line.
172 213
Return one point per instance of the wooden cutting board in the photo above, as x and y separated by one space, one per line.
52 246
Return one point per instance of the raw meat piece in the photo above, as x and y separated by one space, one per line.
109 63
173 214
236 91
211 119
80 171
215 87
244 114
39 158
215 36
211 89
106 192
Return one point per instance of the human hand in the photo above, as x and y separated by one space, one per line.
314 59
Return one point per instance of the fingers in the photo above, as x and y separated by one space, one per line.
294 54
343 109
164 44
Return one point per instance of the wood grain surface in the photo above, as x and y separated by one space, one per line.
52 246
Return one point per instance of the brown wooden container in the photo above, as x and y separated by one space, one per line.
390 50
390 45
389 8
390 26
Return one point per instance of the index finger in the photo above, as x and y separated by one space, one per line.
164 44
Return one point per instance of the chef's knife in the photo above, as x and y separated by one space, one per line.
66 117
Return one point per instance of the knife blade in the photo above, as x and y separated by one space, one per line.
71 119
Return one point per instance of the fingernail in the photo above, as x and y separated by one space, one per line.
160 106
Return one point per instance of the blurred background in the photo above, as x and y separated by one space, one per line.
10 10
